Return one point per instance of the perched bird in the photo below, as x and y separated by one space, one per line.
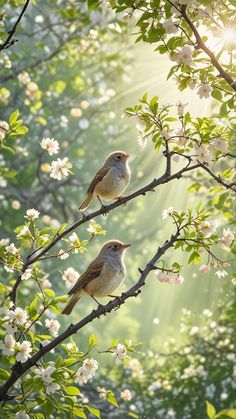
110 181
104 274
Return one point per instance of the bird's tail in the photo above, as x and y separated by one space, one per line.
69 307
86 202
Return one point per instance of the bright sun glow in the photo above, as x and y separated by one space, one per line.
229 35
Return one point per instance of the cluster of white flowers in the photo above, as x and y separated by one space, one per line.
170 277
24 78
45 375
10 346
86 372
70 277
60 168
53 326
51 145
167 212
4 129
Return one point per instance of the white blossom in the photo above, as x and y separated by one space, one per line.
4 242
221 145
9 345
120 352
165 134
170 26
204 90
194 330
22 415
80 376
180 108
45 374
227 238
90 366
12 249
25 230
70 277
53 325
27 274
24 350
32 214
221 273
126 395
184 56
52 388
60 168
167 212
203 153
46 284
19 316
51 145
63 255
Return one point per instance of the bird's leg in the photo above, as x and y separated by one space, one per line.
99 305
103 207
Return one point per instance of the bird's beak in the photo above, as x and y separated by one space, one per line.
125 246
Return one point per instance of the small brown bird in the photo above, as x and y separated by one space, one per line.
104 274
110 181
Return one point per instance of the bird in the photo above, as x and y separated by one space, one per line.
110 181
104 274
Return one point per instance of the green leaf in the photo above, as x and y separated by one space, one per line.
49 293
210 410
94 411
229 413
216 94
194 258
72 391
92 4
13 117
79 412
92 340
111 398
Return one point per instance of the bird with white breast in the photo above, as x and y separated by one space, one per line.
102 277
110 181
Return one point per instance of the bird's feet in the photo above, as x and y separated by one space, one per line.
119 298
102 308
104 210
121 199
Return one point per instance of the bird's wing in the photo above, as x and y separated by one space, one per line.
94 270
97 178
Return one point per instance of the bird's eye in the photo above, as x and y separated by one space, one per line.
118 157
115 247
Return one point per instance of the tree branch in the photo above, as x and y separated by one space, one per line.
19 369
204 48
9 41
